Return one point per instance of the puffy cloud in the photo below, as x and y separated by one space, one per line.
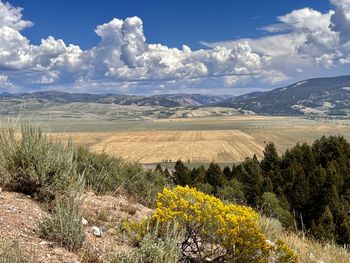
303 41
301 19
123 58
14 49
123 54
12 17
341 19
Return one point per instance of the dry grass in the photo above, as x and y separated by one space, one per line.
308 249
159 146
311 251
202 140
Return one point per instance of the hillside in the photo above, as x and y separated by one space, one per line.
109 106
21 215
65 204
312 97
55 97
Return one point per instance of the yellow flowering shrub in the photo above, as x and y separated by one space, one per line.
213 231
135 231
284 254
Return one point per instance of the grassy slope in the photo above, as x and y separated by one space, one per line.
103 174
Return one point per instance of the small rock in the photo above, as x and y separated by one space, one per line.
84 222
43 243
13 209
269 242
96 231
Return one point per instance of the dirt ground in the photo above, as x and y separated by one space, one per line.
21 214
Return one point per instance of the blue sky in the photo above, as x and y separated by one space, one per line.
172 23
150 47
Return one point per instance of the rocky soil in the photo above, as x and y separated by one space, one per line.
21 214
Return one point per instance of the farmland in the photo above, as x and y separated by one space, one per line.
197 140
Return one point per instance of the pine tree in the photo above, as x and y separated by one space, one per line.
325 227
214 176
166 173
182 174
270 165
250 176
159 169
227 173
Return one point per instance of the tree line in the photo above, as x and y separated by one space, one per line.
307 188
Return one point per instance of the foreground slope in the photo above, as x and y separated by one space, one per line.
20 216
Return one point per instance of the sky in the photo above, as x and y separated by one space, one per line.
154 47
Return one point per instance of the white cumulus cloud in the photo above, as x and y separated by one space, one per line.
302 42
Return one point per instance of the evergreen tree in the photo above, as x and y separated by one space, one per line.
271 160
227 173
182 174
214 176
167 173
250 176
199 175
325 227
270 165
311 182
159 169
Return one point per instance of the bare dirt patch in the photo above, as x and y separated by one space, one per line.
21 214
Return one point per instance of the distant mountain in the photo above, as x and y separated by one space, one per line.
166 100
314 97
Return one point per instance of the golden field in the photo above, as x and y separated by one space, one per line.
161 146
200 140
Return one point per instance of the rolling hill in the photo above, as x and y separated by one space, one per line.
165 100
318 97
313 97
110 106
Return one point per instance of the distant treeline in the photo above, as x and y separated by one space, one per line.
308 188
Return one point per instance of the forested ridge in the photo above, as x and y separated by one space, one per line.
307 188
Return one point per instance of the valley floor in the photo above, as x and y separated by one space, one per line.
197 140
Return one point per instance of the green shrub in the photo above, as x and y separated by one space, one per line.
106 174
155 246
12 253
205 188
33 164
146 186
102 172
64 226
271 227
273 208
232 192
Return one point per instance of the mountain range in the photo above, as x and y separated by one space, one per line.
318 96
312 97
164 100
